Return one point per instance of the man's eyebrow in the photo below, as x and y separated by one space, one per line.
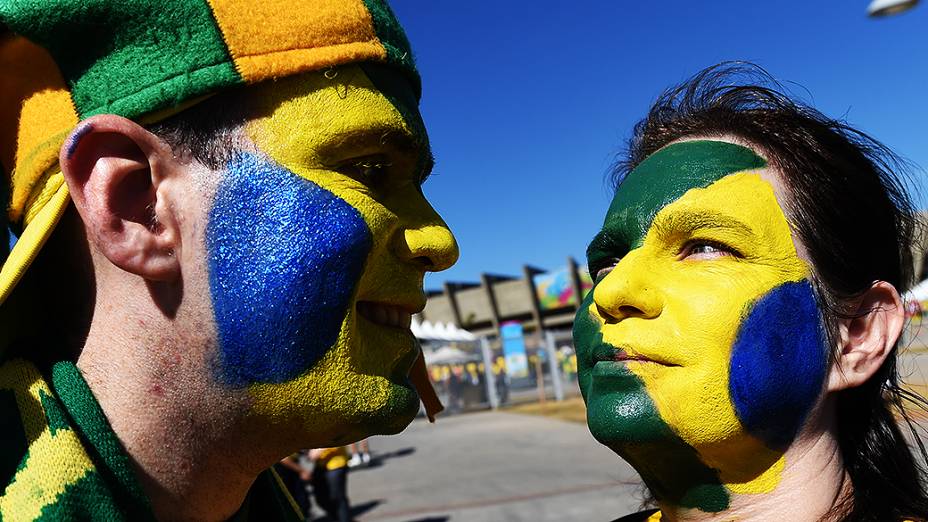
411 143
425 167
688 221
400 141
372 137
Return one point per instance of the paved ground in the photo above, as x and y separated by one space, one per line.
495 467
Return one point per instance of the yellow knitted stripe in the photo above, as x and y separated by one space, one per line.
54 462
36 115
286 492
276 38
43 221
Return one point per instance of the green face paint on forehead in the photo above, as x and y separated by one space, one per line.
657 181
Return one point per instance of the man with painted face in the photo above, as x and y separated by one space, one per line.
739 345
218 235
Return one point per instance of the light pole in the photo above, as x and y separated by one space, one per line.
879 8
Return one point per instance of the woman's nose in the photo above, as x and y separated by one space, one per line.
628 291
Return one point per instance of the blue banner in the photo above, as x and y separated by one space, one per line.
514 350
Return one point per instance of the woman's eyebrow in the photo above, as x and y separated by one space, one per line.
606 243
687 221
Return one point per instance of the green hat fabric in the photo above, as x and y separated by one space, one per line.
64 60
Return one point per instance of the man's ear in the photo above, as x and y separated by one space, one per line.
866 339
118 174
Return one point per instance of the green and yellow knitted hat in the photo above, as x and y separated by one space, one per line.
64 60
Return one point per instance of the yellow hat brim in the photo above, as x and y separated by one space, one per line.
34 236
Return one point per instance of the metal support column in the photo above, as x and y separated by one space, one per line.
488 376
555 368
487 283
450 290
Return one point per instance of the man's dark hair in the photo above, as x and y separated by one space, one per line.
206 132
848 204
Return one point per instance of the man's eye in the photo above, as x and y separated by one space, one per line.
370 170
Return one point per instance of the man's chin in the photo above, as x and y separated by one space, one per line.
390 417
400 409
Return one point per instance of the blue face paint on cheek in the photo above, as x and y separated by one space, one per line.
778 363
285 256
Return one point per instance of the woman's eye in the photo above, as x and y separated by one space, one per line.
598 273
706 250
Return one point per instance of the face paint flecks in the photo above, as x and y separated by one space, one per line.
686 314
77 137
285 258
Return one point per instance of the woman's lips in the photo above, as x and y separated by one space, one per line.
385 314
612 354
623 356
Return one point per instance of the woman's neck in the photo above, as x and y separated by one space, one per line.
804 484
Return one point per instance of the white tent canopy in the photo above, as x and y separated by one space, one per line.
449 355
918 292
428 331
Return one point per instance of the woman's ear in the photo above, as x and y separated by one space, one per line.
866 339
119 174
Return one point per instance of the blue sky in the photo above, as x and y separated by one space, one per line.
527 103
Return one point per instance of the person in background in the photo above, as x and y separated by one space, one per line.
296 479
330 481
360 453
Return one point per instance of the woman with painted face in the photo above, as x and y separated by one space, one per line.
739 347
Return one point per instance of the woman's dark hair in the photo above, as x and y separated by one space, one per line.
849 206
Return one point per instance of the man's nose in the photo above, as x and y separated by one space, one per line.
628 291
430 245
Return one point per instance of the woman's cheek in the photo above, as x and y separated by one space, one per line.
778 363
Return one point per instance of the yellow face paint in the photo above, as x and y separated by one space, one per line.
690 322
340 132
702 302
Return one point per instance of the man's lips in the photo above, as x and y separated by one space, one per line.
385 314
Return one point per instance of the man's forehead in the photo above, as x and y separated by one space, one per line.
365 106
668 174
397 88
